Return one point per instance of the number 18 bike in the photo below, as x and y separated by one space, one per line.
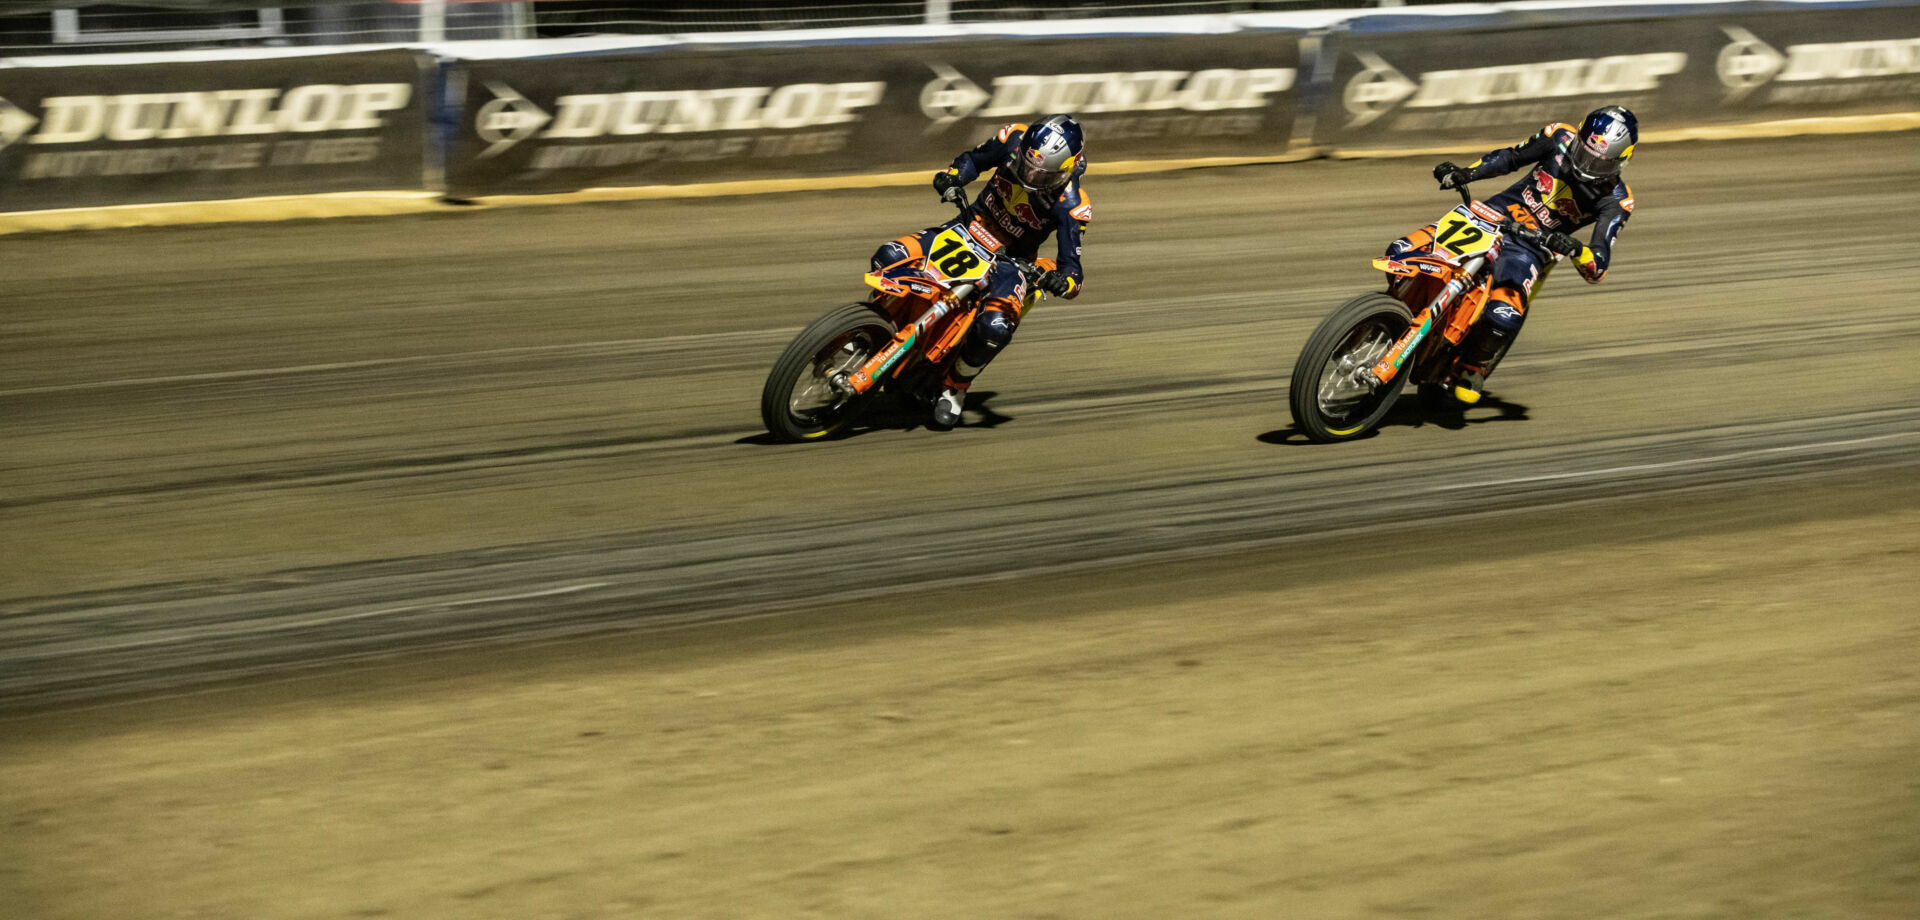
900 340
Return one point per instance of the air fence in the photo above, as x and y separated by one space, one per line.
473 119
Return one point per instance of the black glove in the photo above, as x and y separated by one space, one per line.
1562 244
1452 176
944 182
1057 283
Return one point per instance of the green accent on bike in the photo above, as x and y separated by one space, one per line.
906 346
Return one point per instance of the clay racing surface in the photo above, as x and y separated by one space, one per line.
1121 647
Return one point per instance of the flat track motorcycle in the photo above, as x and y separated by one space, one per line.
899 340
1361 356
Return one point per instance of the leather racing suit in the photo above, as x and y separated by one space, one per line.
1019 219
1549 197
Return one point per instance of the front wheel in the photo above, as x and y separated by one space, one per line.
804 398
1332 397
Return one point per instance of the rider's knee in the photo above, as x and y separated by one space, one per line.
1413 242
994 328
889 254
1506 309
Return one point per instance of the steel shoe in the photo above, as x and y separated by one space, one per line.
947 407
1468 386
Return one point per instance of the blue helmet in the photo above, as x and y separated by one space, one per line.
1604 144
1049 153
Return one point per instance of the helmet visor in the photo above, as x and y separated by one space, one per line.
1591 165
1037 175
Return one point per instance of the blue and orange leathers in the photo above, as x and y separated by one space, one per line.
1549 197
1020 219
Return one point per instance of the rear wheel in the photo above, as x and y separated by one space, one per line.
1331 395
804 398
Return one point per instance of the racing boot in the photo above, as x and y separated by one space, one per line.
1485 348
1489 343
951 400
989 335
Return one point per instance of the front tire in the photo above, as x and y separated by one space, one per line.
1328 400
800 401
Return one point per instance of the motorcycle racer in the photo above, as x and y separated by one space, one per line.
1033 191
1574 181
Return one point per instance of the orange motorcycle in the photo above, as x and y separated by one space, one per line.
1360 357
899 340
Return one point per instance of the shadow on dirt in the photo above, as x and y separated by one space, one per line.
887 414
1409 413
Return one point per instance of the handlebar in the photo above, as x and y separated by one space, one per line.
958 196
1508 227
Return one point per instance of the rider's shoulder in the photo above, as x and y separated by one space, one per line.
1560 131
1010 132
1076 202
1623 193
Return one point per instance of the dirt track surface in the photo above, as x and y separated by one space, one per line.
1602 712
232 450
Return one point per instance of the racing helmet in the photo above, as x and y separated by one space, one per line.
1047 155
1604 144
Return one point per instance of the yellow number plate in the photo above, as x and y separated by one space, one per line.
956 257
1460 235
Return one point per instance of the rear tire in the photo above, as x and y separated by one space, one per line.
1327 405
798 402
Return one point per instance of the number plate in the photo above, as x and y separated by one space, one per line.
1461 234
956 257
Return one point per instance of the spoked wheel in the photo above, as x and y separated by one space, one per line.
805 398
1332 396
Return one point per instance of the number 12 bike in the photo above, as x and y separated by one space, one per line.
1361 356
900 340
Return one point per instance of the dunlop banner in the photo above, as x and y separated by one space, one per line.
555 124
80 136
1810 63
1427 88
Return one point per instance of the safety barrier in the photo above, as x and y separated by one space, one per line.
474 119
92 135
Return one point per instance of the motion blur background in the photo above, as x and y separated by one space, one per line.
433 564
32 26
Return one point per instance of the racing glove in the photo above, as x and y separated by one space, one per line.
1452 176
1562 244
1057 283
945 181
